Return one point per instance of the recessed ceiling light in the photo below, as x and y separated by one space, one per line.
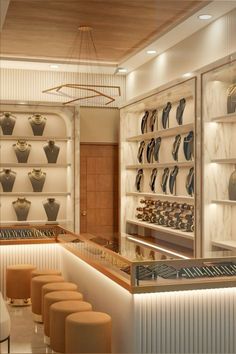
122 70
151 51
54 66
204 17
187 74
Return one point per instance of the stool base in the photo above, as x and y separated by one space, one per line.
37 318
46 340
19 302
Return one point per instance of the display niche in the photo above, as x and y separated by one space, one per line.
37 165
219 168
157 169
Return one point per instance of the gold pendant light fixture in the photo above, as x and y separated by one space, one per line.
84 43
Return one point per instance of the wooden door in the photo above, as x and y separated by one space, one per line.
99 189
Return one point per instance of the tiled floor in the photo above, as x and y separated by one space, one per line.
26 335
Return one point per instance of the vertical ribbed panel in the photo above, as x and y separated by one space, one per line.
27 85
41 255
201 321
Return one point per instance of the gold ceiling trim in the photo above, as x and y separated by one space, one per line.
86 87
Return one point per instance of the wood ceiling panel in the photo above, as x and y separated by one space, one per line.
48 28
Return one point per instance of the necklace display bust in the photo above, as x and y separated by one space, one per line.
37 179
22 150
7 123
51 207
7 179
51 150
21 207
37 122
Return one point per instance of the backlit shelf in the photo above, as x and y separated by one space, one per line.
168 230
161 246
164 133
35 222
15 164
161 165
227 118
33 138
225 161
224 202
225 244
162 196
34 194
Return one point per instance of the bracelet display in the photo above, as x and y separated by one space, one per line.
222 269
23 233
174 215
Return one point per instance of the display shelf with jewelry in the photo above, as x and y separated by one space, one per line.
34 138
158 159
168 132
9 164
40 151
219 117
161 165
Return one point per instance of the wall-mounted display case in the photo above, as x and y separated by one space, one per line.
157 161
219 160
39 160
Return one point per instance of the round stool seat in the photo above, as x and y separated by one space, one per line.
47 288
18 279
38 272
36 292
88 332
58 313
50 299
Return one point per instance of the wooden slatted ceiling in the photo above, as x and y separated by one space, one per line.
47 28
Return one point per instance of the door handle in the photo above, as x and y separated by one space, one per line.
84 213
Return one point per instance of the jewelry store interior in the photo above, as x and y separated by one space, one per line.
117 176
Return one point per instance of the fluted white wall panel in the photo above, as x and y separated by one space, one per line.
202 321
40 255
27 85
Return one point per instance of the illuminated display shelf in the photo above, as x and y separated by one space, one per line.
228 118
225 161
52 194
183 198
38 222
225 244
34 138
162 246
17 164
161 165
225 202
164 133
169 230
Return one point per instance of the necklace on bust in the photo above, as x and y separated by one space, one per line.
22 145
21 202
7 173
51 145
37 118
37 173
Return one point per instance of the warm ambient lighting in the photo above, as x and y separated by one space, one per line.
187 74
122 70
151 51
54 66
157 247
204 17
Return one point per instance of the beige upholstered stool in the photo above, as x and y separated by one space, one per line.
88 332
18 281
36 292
48 288
58 313
50 299
38 272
